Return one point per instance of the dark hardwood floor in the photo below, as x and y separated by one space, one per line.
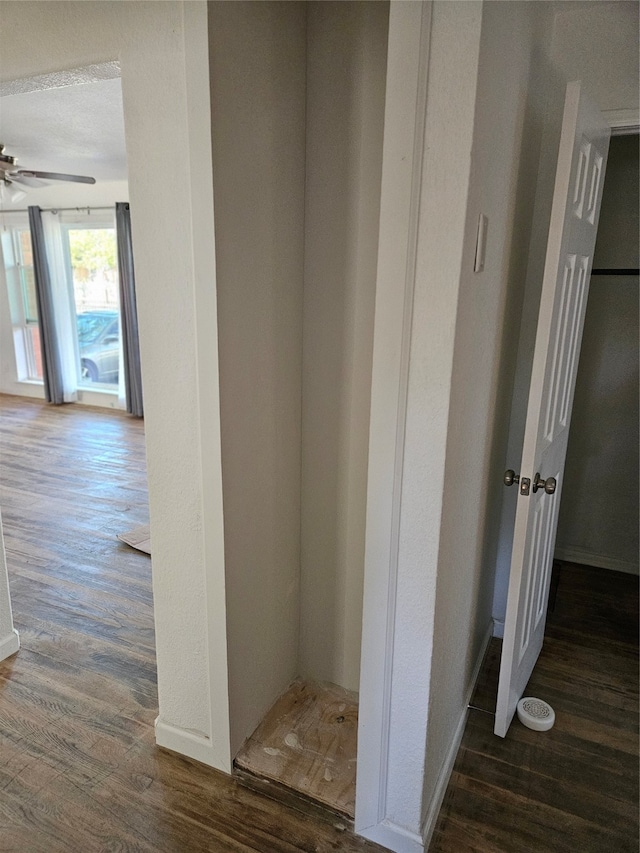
79 769
575 787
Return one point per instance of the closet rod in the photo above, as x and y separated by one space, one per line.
616 272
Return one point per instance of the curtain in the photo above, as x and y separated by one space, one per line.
64 308
51 369
122 391
128 312
56 312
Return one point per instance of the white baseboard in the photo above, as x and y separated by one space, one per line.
397 838
599 561
101 399
393 837
17 388
9 644
431 818
86 397
191 744
498 628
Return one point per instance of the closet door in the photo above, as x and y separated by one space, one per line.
582 158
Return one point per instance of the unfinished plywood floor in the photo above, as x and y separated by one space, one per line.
307 742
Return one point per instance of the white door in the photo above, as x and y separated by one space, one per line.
582 157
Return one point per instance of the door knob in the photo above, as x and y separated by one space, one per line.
549 485
510 477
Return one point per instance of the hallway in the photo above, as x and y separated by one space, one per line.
575 787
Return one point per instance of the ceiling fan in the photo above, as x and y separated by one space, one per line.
13 179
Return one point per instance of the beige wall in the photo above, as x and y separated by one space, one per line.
346 68
297 108
506 135
257 55
597 43
598 522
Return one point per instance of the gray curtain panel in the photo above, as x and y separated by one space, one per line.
128 312
51 364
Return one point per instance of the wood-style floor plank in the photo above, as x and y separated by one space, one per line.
79 769
574 787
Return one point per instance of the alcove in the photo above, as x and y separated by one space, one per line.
297 95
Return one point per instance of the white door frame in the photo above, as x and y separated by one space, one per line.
432 78
623 122
405 114
163 53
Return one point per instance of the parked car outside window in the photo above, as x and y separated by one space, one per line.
99 342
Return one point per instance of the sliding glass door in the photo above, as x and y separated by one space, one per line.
83 264
92 258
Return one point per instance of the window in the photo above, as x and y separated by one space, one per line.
92 258
18 261
82 257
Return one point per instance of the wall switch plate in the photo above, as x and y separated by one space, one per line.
481 243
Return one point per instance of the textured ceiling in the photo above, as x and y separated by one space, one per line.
77 129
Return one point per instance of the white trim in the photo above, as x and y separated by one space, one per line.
623 122
599 561
99 398
444 775
94 397
185 742
198 173
393 837
24 388
498 628
10 644
405 112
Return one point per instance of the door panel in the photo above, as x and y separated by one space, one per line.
582 158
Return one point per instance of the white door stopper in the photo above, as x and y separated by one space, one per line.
535 714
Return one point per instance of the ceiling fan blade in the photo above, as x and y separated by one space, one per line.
56 176
27 181
10 193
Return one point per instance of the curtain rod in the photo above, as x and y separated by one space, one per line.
615 271
88 208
